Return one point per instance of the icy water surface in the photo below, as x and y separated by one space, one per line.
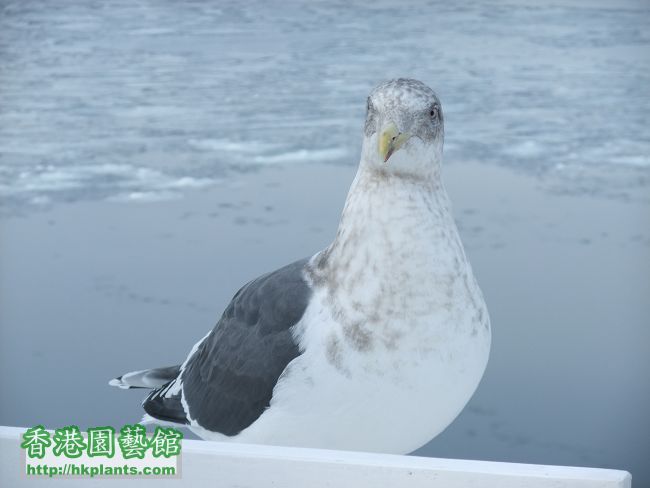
142 100
95 289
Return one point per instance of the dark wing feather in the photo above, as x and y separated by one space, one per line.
229 380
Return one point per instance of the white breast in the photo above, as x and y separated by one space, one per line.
397 336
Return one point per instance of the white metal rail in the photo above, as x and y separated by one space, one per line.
216 464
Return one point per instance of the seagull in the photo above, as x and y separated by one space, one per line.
375 343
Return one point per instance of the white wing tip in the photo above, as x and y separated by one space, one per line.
148 419
119 383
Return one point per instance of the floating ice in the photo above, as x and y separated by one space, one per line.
169 97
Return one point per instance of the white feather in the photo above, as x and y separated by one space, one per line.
406 282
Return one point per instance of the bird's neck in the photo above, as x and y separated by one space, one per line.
391 226
381 203
396 258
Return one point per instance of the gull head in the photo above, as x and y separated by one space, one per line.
404 129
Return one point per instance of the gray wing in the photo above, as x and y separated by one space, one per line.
228 382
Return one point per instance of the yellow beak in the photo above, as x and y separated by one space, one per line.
390 140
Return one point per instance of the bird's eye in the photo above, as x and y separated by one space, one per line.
434 112
369 105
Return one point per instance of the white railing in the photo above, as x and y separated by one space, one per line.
215 464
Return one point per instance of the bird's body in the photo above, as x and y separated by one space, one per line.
375 343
